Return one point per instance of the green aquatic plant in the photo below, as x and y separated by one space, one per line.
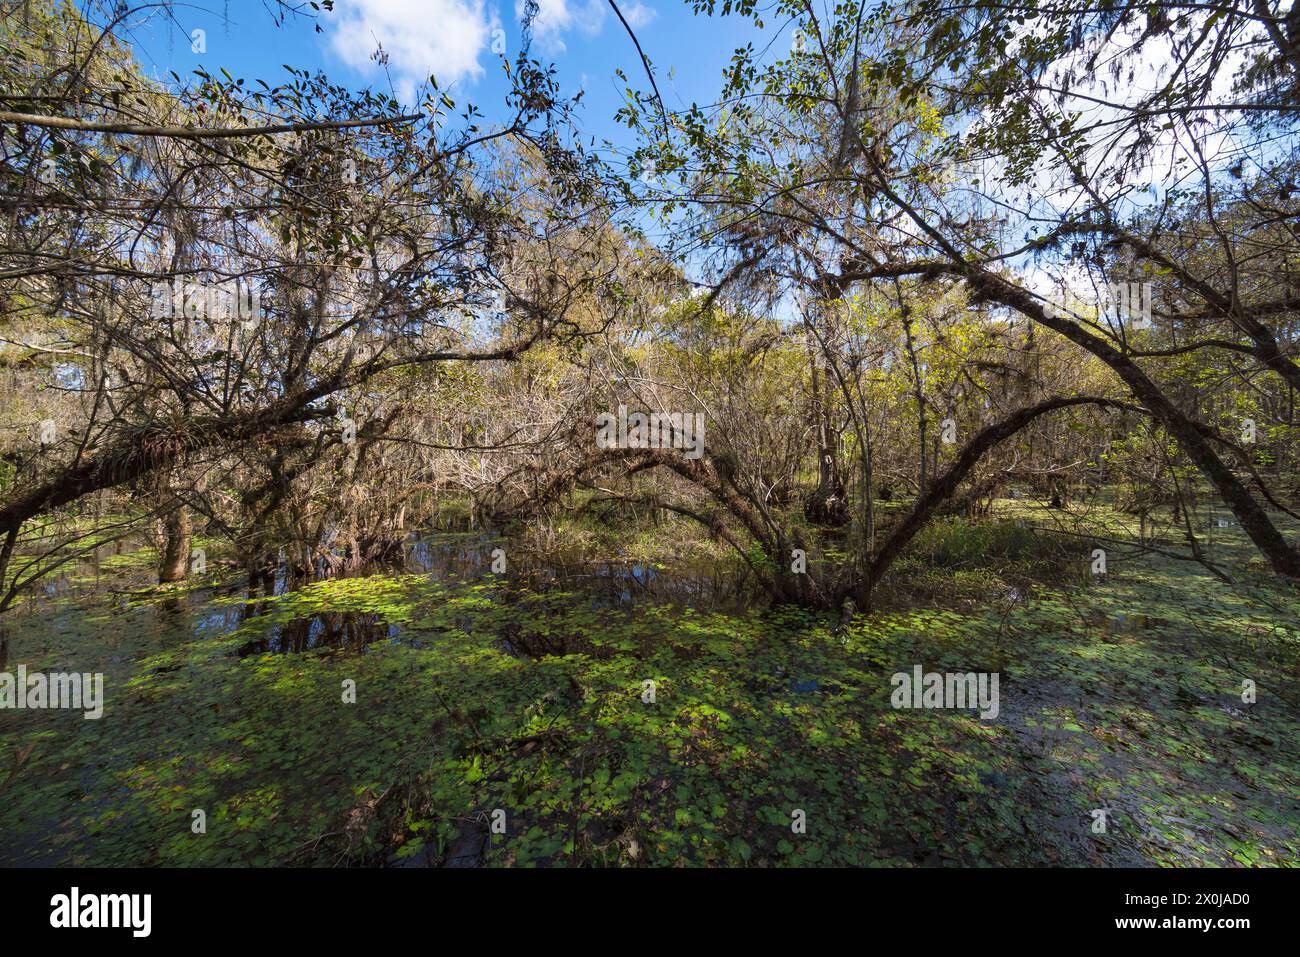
481 703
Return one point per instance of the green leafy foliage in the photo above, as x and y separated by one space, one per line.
490 697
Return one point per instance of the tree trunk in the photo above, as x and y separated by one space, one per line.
174 565
944 486
988 286
1284 559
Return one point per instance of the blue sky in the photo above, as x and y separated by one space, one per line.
455 40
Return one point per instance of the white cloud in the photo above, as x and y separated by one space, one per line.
558 17
420 37
637 14
446 38
586 17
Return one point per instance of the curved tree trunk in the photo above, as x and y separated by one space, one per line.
990 287
945 485
1253 519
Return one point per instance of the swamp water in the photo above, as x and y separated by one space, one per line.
619 714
